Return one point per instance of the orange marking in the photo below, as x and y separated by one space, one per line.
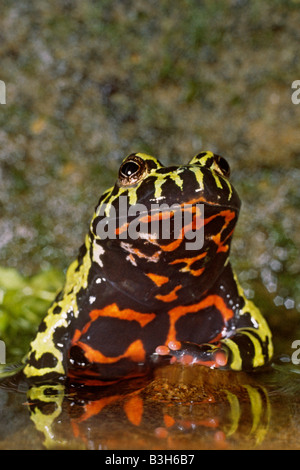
134 352
135 251
172 246
131 258
134 410
113 311
157 279
169 421
217 240
170 296
191 226
209 423
139 253
76 336
228 216
195 224
189 262
177 312
122 229
159 215
220 244
202 199
82 378
94 407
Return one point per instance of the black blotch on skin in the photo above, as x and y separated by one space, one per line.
46 360
199 327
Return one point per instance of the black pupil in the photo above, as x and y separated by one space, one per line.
129 168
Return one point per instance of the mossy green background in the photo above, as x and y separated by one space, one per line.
89 82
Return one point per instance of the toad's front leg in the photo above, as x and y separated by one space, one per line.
247 349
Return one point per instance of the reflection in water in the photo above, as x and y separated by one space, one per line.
103 421
179 408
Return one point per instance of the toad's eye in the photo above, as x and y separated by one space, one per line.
132 170
129 169
222 166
